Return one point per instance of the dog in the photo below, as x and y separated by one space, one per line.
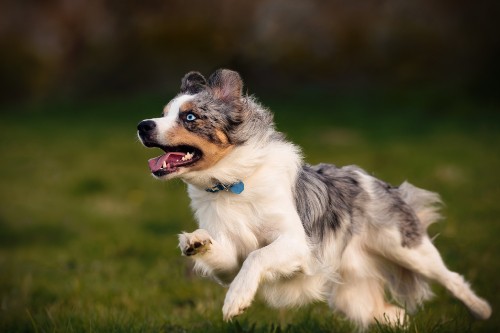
292 232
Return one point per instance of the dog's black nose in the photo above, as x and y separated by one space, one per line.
146 126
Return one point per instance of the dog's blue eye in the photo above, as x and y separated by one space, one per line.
190 117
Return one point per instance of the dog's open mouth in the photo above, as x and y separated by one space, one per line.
173 159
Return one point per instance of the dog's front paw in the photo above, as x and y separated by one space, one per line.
238 299
234 306
197 242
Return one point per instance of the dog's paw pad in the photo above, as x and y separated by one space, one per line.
191 245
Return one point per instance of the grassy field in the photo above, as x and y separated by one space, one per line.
88 238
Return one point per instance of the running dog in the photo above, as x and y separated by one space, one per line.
293 232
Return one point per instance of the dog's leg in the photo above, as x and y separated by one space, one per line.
362 301
425 259
212 258
283 257
360 293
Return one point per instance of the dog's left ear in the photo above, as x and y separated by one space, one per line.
226 84
192 83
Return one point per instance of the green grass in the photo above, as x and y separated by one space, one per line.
88 238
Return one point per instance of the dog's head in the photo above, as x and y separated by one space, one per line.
195 131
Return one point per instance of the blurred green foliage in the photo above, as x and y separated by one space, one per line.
88 237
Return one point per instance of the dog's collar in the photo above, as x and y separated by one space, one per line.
235 188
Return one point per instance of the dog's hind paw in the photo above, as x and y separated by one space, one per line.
481 309
197 242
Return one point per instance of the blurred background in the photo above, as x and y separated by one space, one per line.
408 90
75 48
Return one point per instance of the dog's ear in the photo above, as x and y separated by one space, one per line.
192 83
226 84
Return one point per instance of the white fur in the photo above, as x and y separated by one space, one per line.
259 227
164 124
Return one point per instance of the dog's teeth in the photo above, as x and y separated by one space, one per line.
187 157
164 165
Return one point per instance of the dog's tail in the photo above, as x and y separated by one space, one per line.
425 204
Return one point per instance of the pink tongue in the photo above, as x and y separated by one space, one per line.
156 163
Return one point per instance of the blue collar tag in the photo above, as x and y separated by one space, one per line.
235 188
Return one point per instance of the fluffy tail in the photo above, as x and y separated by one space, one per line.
426 204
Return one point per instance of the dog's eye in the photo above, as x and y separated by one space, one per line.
190 117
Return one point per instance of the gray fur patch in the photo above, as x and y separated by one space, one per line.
326 197
214 116
409 225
